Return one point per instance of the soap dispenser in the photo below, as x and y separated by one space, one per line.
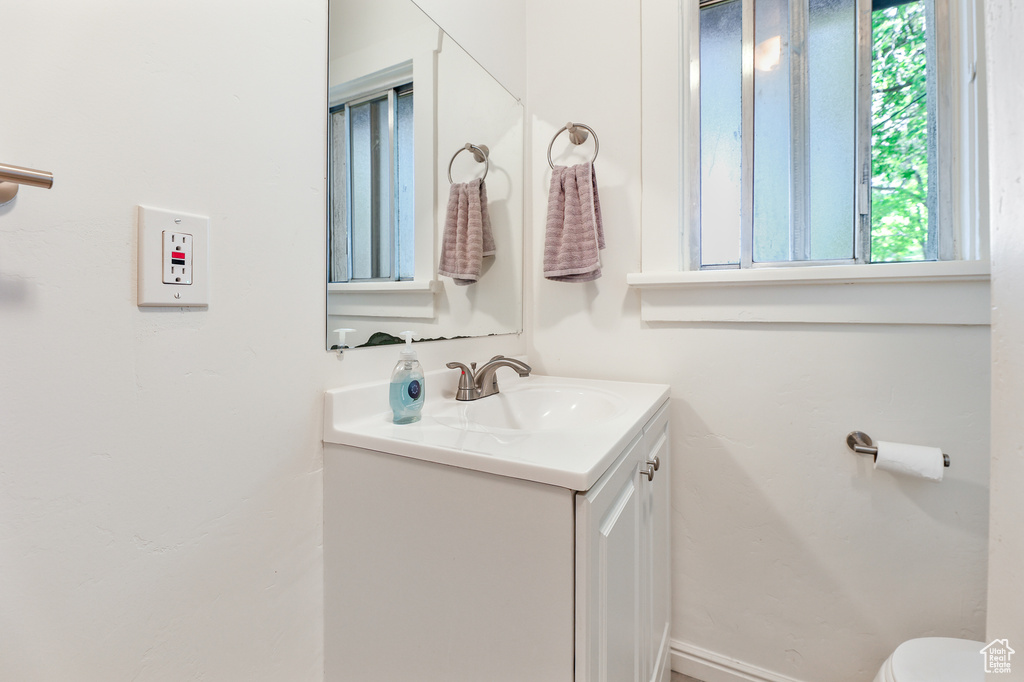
341 347
407 385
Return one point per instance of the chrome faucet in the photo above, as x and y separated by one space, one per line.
480 383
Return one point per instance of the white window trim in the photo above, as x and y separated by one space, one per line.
385 79
945 292
407 299
410 57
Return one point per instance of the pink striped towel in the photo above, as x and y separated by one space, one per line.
467 233
575 234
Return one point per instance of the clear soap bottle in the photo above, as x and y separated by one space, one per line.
407 387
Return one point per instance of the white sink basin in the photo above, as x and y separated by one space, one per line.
556 430
542 408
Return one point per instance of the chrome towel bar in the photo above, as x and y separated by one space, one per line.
13 176
861 443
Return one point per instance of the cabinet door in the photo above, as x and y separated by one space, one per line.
655 556
608 575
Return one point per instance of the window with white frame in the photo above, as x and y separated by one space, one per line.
371 187
826 134
894 226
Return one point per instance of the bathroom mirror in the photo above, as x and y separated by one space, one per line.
404 99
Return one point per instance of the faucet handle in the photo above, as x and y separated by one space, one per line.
467 383
466 371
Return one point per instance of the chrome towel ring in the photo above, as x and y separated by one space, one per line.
578 134
480 152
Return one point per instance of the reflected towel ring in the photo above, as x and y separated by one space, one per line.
576 136
480 152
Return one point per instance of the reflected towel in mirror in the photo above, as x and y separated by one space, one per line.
575 233
467 238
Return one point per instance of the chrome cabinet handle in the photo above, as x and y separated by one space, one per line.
656 462
648 471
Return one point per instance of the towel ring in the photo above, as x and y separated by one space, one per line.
480 152
576 136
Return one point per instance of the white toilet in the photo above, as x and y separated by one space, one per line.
935 659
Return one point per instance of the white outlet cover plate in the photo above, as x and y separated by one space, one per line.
152 290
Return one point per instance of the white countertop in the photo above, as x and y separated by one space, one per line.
573 457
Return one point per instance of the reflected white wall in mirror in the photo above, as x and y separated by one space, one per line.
493 32
388 43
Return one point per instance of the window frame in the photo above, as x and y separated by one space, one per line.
671 290
860 223
397 85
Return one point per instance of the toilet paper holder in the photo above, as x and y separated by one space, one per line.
861 443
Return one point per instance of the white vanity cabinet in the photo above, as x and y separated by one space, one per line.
442 573
622 565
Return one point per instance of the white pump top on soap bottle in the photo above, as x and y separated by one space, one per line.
407 385
407 350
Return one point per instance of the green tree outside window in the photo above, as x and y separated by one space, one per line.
899 131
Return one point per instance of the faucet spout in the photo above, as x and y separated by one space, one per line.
486 379
483 382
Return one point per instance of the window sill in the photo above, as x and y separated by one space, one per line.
943 293
413 299
430 285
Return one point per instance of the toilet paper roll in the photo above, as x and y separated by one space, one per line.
919 461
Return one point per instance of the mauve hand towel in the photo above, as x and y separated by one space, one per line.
467 233
575 233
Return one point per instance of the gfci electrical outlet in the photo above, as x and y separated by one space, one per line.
177 258
173 255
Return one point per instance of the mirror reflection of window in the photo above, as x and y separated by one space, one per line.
371 187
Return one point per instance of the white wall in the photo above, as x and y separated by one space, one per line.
1004 24
160 499
791 555
160 470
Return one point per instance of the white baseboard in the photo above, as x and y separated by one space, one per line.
709 666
